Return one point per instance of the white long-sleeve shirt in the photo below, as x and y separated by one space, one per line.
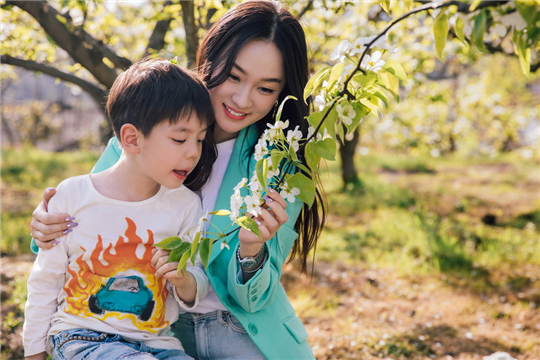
100 276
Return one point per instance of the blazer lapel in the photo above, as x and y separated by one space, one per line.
236 170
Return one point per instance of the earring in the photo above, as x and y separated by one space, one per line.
275 109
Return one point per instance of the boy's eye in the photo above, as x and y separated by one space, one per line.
179 141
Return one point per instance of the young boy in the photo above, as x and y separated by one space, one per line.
95 295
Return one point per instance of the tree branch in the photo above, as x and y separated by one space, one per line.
95 91
463 7
157 39
82 47
306 8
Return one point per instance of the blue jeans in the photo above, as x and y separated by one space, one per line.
215 335
68 345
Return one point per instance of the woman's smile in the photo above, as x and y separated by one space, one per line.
234 114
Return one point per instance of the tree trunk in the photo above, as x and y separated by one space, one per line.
192 40
347 150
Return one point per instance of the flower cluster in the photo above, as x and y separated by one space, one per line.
346 48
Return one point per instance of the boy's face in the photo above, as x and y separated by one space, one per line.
172 151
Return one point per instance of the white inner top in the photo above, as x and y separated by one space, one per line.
209 195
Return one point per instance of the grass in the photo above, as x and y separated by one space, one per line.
26 172
425 258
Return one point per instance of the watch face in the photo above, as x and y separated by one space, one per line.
248 263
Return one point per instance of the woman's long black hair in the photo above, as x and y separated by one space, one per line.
268 21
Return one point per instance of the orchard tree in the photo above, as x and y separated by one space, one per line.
353 45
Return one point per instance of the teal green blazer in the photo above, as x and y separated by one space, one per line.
261 304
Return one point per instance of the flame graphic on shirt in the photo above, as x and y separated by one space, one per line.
92 270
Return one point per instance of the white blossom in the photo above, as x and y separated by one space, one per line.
255 185
271 172
320 100
277 128
374 62
293 137
240 184
225 245
260 149
252 203
346 112
236 203
339 51
289 194
380 43
202 220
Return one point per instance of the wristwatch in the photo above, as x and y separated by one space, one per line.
249 262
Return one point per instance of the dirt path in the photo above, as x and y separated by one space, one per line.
352 312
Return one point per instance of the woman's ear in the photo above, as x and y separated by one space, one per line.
129 137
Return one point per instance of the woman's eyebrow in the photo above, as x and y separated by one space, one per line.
276 80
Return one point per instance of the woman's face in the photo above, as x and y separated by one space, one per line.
250 91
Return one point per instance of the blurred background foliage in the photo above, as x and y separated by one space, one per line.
447 181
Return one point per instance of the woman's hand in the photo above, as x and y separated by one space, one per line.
272 218
186 287
46 227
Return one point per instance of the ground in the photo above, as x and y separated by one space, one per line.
427 261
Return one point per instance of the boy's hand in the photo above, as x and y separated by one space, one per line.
40 356
186 287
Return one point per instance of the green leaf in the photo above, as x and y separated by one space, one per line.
524 54
262 171
382 97
276 156
440 31
305 185
474 5
249 224
280 109
385 4
340 130
390 83
361 111
195 243
334 75
205 249
365 80
169 243
177 253
194 255
527 10
330 122
315 81
395 68
183 263
479 30
460 25
220 213
299 165
314 120
312 158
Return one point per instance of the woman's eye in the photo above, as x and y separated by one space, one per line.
200 141
268 91
234 77
179 141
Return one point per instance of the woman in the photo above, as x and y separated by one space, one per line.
251 59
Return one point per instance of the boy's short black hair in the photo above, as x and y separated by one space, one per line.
153 91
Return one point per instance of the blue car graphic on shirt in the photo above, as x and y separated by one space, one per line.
125 295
